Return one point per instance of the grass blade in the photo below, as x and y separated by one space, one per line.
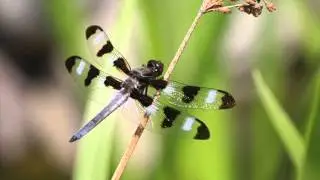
314 109
280 120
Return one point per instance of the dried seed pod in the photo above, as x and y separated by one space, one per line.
271 7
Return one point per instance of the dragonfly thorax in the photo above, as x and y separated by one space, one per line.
130 83
152 70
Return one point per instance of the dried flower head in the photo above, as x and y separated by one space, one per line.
251 2
271 7
255 9
211 5
251 7
224 10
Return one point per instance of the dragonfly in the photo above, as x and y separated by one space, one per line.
165 113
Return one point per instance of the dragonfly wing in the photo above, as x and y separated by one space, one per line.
87 76
166 119
104 52
186 96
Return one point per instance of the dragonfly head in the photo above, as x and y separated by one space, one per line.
156 67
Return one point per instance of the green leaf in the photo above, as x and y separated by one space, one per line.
281 122
314 109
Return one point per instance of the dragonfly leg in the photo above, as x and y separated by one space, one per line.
145 100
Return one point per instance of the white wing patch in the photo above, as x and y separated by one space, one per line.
112 58
212 94
151 109
101 82
80 67
187 125
168 90
99 38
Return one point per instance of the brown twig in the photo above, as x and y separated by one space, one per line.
182 46
136 136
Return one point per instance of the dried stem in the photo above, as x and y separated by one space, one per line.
182 46
225 9
136 136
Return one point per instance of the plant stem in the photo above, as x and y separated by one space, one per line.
136 136
182 46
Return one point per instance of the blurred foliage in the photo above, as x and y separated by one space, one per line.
163 25
273 131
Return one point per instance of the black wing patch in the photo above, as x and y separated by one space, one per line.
107 48
91 30
92 73
171 115
189 92
158 84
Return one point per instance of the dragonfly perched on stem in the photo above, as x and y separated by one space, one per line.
164 116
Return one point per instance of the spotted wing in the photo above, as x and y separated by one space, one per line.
166 119
104 52
186 96
86 74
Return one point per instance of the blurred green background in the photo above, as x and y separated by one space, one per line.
270 64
